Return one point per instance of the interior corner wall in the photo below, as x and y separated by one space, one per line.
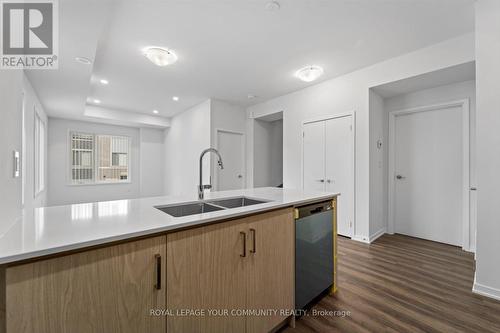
378 166
188 135
32 102
11 91
349 93
487 278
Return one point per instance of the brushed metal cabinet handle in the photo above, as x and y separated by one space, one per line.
244 236
254 247
158 271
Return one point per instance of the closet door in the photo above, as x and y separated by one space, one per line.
314 156
340 169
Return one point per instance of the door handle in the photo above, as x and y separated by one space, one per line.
254 248
321 180
240 176
244 236
329 181
400 177
158 271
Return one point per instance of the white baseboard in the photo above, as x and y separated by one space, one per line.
485 290
371 238
377 234
359 238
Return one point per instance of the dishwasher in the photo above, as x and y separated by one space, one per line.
313 251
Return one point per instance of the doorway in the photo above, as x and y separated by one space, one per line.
429 172
231 146
328 164
268 151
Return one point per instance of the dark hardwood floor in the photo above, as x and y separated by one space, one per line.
404 284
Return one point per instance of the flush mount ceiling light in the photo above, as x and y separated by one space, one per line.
96 101
309 73
273 6
159 56
250 96
104 81
156 111
83 60
175 98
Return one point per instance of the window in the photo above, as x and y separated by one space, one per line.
99 158
39 151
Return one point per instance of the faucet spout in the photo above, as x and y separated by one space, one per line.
202 187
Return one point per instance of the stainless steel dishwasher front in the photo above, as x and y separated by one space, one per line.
313 251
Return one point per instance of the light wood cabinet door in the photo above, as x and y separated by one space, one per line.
272 268
206 271
105 290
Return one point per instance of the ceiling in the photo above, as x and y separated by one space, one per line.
228 49
450 75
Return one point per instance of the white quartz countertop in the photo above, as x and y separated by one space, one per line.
51 230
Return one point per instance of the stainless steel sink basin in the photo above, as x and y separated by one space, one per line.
188 209
236 202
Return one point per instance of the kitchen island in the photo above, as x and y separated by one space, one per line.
127 266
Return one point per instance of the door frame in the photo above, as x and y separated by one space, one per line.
464 105
243 151
353 153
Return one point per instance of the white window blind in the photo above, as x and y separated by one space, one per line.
39 152
99 158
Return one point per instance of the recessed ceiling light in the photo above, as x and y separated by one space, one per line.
83 60
309 73
159 56
175 98
104 81
96 101
156 111
250 96
273 6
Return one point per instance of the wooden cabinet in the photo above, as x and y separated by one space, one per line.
206 272
111 289
270 283
245 264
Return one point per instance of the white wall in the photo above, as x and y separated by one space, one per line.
351 93
487 278
60 192
152 162
378 166
31 101
442 94
187 137
10 137
268 153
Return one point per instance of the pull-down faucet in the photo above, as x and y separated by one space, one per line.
202 187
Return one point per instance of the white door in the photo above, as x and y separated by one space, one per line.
339 170
428 157
314 156
231 146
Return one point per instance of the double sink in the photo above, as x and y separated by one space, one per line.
185 209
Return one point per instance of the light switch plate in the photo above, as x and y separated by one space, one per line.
17 164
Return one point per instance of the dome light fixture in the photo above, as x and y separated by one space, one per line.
104 81
156 111
175 98
159 56
309 73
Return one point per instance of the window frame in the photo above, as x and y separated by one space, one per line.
39 174
95 167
